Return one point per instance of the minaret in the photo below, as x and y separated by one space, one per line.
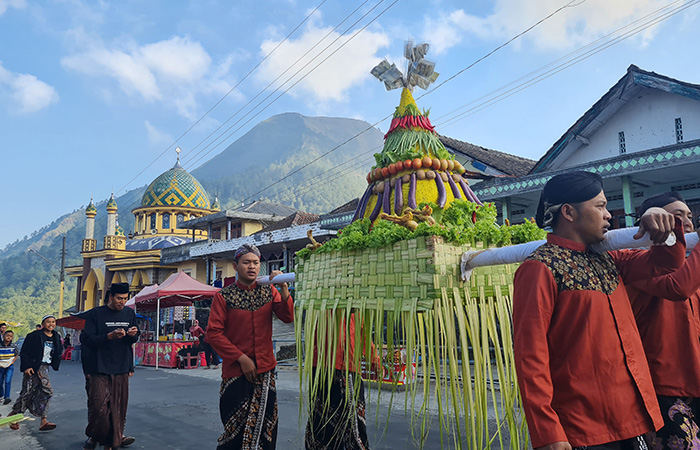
89 243
115 239
215 206
111 216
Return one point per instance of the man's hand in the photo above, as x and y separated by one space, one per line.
556 446
248 367
284 286
132 331
131 374
116 334
29 371
658 223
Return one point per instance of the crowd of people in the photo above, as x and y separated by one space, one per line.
606 345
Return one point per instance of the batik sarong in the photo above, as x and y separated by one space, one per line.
635 443
36 393
680 430
338 423
107 401
249 413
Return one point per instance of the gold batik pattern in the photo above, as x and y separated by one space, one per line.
575 270
249 300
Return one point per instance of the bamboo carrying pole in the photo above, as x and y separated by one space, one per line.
614 240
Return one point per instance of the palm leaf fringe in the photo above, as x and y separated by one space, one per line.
407 301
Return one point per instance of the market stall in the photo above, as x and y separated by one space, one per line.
175 295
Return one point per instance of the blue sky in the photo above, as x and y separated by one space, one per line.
94 95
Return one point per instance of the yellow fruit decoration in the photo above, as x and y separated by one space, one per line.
414 167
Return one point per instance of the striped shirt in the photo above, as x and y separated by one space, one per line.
7 354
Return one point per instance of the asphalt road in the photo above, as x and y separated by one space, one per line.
178 409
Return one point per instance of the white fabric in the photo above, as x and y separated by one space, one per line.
614 240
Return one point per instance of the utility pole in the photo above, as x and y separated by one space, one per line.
62 270
63 278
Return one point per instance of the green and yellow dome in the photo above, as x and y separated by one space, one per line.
176 187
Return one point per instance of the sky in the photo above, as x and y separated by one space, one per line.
96 95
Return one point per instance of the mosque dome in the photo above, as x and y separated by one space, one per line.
176 187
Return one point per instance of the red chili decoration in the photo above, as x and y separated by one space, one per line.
473 216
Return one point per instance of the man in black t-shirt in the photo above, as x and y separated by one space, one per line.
110 330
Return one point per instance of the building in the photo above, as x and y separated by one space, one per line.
171 200
642 137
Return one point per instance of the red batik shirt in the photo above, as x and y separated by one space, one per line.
667 311
240 322
581 368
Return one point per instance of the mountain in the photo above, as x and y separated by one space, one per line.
273 149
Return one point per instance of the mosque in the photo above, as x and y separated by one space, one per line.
170 200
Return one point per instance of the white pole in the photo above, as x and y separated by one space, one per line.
157 328
614 240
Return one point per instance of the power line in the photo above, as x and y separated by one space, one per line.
302 77
226 95
306 65
272 83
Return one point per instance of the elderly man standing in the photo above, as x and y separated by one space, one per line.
110 330
240 330
582 372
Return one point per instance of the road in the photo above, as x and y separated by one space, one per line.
178 409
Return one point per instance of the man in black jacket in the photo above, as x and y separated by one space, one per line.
110 330
41 349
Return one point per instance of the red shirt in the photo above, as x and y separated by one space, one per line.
580 362
667 311
240 322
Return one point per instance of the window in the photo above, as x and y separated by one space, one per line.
166 221
153 221
679 130
180 219
235 230
215 233
621 141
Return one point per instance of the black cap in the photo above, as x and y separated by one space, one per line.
119 288
571 187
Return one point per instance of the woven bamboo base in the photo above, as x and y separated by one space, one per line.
406 276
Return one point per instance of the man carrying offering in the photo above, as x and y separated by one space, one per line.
240 330
581 368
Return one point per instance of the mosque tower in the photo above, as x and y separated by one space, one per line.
113 240
89 243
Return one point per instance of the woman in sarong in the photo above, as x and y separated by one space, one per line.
41 349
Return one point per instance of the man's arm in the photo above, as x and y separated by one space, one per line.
637 265
678 285
90 336
215 330
534 297
284 310
133 332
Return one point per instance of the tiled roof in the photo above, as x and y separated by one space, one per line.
298 218
505 162
273 209
350 206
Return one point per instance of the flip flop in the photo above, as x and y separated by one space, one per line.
47 426
127 440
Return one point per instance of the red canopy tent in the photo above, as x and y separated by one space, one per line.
145 291
74 322
179 289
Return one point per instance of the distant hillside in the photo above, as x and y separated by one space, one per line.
284 143
267 153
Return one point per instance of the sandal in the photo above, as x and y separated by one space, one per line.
47 426
127 440
90 444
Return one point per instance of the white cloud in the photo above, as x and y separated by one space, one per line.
349 66
28 93
157 137
173 71
7 4
574 26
